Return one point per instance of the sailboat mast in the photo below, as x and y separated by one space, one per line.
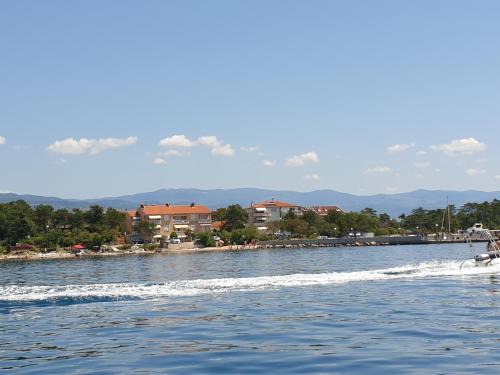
449 215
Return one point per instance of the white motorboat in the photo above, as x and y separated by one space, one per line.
490 258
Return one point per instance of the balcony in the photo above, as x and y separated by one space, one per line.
262 214
181 222
205 221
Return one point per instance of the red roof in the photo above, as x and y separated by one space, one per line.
273 204
131 213
174 210
217 225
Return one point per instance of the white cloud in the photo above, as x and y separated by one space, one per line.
465 146
497 177
392 190
250 149
173 153
378 169
225 150
269 163
71 146
159 161
2 140
217 147
209 141
300 160
421 164
421 153
475 172
178 140
312 177
108 143
398 148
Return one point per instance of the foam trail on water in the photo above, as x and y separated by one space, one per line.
196 287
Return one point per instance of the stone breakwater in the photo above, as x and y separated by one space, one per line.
351 242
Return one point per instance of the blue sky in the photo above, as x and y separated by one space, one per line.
357 96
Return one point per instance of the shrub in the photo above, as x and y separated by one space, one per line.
206 239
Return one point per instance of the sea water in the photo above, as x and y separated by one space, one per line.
398 309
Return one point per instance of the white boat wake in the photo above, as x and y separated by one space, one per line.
14 293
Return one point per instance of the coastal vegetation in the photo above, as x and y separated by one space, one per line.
419 221
47 228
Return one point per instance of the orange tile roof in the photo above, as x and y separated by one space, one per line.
217 225
174 210
131 213
273 204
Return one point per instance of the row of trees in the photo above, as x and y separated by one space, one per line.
419 221
429 221
234 229
335 224
45 227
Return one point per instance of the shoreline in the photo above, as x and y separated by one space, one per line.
166 251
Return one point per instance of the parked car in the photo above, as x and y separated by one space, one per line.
175 241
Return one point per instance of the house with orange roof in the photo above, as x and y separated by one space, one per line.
167 219
260 214
324 210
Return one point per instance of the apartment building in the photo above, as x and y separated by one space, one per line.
166 219
259 214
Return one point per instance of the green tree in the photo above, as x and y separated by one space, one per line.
206 239
114 219
61 218
16 222
369 211
146 229
235 217
77 219
243 235
218 214
94 217
43 216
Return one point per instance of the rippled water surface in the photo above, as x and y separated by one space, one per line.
408 309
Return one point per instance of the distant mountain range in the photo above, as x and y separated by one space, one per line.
393 204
